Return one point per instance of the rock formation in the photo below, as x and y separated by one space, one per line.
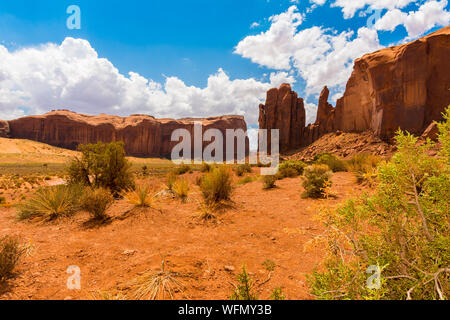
4 129
405 87
143 135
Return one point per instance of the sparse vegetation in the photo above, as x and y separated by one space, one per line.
182 169
51 203
246 180
402 230
102 166
317 180
97 202
244 289
10 253
269 265
217 185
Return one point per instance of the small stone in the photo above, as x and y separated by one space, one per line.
68 298
129 252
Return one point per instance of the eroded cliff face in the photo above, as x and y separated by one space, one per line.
4 129
403 87
143 136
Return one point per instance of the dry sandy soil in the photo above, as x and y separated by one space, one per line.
260 225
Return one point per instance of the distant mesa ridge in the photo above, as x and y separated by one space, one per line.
405 87
143 135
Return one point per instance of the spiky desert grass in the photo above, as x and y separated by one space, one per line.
143 196
181 189
156 285
51 203
206 211
11 251
97 202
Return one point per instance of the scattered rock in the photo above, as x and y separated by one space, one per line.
229 268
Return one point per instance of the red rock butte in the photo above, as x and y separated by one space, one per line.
403 87
143 135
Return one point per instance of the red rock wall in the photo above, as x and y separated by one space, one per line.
144 136
403 87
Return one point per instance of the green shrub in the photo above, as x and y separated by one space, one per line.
242 169
269 182
96 202
365 168
333 162
317 180
51 203
171 178
102 166
291 168
144 170
2 200
10 253
244 290
403 229
216 185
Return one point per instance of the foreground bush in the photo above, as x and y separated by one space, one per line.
333 162
96 202
317 180
402 230
269 182
102 166
51 203
10 253
216 186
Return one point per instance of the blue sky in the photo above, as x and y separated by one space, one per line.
191 58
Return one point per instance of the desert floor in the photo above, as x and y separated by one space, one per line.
260 225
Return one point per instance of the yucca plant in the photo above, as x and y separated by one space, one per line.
181 189
143 196
217 185
51 203
156 285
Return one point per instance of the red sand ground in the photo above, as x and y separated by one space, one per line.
263 225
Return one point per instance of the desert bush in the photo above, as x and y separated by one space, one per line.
242 169
144 170
291 169
102 166
403 229
269 182
317 180
51 203
217 185
142 196
96 202
181 189
10 253
2 200
244 289
333 162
